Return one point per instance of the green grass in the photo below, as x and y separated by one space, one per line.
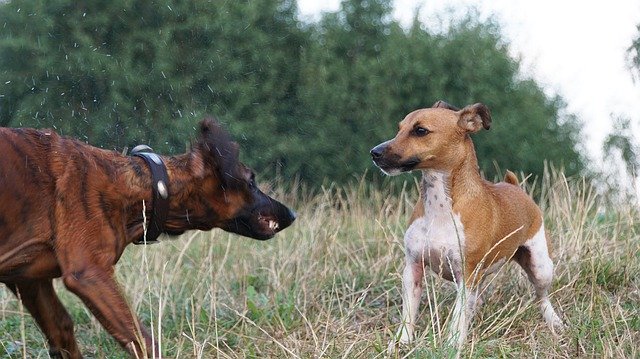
329 287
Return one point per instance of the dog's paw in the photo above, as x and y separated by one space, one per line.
553 321
404 340
394 347
557 326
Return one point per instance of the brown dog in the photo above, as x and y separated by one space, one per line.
462 227
68 210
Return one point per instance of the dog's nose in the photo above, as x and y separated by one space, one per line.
376 152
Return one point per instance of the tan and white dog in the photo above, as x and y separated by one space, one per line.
463 227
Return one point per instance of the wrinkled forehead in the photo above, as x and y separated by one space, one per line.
429 118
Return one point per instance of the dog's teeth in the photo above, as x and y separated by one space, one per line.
273 225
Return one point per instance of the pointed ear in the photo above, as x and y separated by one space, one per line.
474 117
442 104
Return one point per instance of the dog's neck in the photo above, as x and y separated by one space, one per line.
436 196
181 191
459 182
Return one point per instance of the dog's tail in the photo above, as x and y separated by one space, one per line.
511 177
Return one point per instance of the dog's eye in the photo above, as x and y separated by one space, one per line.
252 180
420 131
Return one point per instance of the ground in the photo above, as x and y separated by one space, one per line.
329 287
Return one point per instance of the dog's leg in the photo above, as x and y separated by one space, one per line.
534 258
466 303
41 301
101 294
412 292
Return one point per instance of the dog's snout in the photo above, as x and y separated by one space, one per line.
292 215
377 151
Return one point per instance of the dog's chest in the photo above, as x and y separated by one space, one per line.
437 238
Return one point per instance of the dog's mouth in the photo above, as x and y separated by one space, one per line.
410 164
394 166
391 163
269 226
265 226
261 228
261 224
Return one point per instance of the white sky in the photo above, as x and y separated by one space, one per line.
571 47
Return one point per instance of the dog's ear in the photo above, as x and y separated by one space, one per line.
474 117
218 149
442 104
197 164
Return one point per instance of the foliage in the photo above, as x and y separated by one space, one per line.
634 53
304 99
120 72
623 140
621 146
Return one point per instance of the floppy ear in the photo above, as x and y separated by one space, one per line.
442 104
474 117
196 164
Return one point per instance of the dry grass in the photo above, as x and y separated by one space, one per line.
330 287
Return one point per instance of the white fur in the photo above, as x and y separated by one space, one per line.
435 240
540 272
463 311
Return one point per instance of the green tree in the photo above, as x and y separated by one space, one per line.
120 72
343 90
305 100
362 95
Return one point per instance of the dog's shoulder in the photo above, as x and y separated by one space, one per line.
36 145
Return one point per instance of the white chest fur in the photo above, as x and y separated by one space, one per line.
437 238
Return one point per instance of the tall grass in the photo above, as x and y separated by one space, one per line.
329 287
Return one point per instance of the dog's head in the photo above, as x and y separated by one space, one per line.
431 138
230 197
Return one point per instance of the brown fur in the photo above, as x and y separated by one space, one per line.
511 178
68 210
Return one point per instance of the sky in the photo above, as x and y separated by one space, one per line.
573 48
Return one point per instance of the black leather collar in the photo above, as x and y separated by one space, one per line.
160 205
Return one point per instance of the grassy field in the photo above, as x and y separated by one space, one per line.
329 287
